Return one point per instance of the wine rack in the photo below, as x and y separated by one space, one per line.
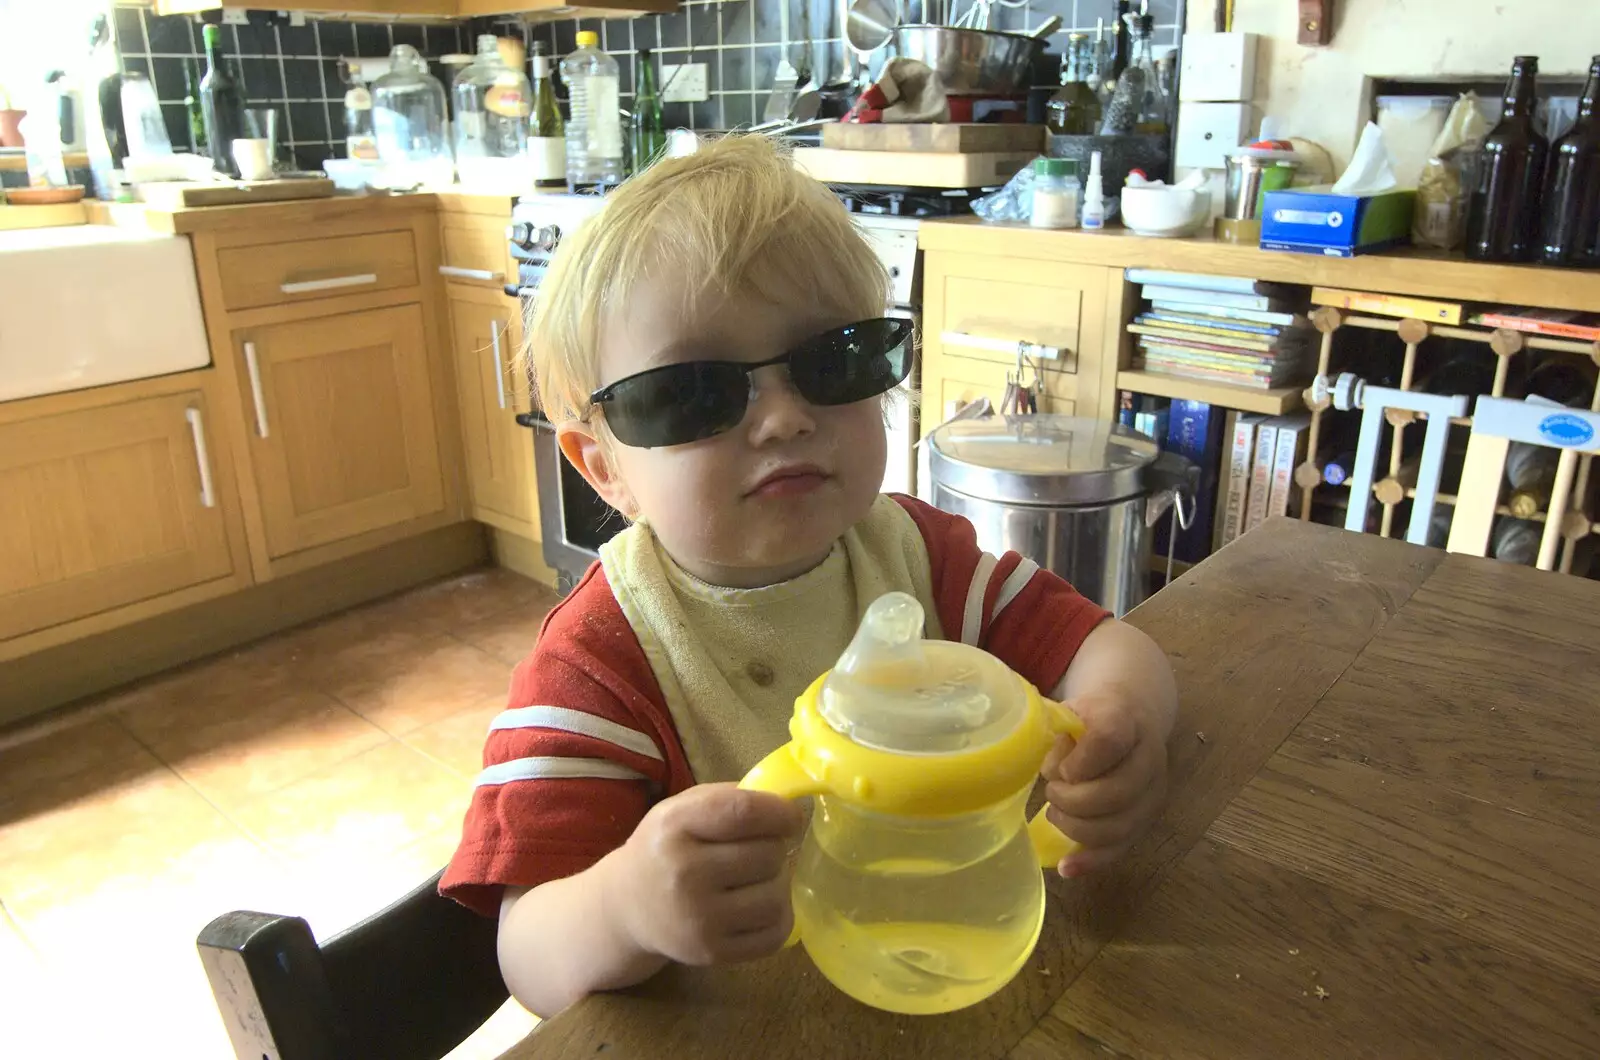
1389 489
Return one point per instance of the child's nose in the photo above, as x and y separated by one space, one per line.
778 412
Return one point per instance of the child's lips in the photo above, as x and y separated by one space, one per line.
795 481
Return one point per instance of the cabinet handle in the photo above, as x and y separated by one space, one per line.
254 368
307 286
499 368
1005 346
459 273
208 496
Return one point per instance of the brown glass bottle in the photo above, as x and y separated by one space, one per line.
1571 230
1503 212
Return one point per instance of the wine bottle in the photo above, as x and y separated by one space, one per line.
547 142
1121 46
647 134
1571 232
221 104
191 108
1503 210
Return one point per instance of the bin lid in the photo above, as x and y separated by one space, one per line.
1041 460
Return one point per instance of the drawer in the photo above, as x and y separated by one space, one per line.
473 249
305 270
985 306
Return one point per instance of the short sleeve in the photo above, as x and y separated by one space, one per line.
1028 617
582 751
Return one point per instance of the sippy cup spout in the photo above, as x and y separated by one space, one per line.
890 635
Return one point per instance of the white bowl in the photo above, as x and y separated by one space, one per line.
1163 210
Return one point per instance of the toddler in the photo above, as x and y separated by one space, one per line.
712 350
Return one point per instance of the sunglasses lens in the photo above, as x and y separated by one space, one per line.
853 363
678 404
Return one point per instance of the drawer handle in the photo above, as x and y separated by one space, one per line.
254 368
458 273
1019 348
499 368
329 284
208 497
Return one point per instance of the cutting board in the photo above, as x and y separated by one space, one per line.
178 194
912 169
969 138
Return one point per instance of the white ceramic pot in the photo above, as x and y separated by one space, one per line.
1164 210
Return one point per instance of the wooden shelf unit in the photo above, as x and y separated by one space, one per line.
1274 402
1410 335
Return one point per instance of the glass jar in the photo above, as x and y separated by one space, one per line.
408 117
492 101
1055 193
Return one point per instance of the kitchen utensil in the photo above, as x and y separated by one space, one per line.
918 888
784 75
926 169
254 158
1250 175
179 195
870 24
807 102
962 138
1047 27
971 62
1163 209
44 196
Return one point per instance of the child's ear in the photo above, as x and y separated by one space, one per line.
591 455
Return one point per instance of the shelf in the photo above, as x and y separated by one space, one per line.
1245 399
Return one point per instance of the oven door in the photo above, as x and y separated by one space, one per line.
900 409
573 521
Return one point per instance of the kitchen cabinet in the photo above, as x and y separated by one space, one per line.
434 8
977 308
339 423
485 333
110 504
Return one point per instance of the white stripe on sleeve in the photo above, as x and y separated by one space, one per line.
556 769
972 615
1014 585
565 719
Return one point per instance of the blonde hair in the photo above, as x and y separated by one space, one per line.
736 217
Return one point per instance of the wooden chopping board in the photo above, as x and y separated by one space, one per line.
967 138
913 169
179 194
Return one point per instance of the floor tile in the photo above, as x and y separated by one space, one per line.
457 742
235 752
368 806
464 599
510 635
428 683
68 765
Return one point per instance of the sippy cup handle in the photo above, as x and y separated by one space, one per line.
780 774
1050 845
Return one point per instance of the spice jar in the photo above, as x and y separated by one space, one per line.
1055 193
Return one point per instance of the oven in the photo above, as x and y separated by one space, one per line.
573 521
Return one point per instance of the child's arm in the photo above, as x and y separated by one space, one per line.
703 880
1105 790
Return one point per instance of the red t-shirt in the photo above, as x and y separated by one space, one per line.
587 744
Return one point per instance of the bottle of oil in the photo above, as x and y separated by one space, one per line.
1571 233
1075 108
1503 211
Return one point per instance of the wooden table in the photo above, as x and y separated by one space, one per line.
1383 841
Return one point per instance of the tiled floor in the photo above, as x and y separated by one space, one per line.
322 772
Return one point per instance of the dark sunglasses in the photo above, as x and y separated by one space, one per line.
681 403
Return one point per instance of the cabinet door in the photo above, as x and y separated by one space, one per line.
339 416
483 338
104 507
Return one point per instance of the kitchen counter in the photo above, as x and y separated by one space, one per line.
288 214
1406 271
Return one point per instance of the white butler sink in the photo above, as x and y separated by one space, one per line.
87 305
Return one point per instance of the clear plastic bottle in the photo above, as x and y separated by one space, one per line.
408 114
594 130
491 121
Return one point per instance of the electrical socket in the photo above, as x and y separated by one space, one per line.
232 16
297 18
684 83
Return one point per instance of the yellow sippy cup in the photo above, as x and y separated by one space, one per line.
918 887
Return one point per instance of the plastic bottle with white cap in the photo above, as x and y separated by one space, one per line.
1094 198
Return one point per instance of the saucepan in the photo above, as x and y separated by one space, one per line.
972 62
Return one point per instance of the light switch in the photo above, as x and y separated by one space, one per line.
684 84
1209 132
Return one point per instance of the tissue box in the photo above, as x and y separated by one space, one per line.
1317 221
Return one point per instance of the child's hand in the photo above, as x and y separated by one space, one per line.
705 877
1107 789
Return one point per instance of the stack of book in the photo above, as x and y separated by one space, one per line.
1222 329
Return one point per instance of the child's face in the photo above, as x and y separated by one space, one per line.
764 501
